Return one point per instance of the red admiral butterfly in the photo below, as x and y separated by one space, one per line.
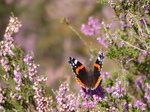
87 79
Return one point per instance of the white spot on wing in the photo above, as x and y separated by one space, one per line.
99 58
76 61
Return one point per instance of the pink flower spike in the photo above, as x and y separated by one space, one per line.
87 30
101 40
121 44
17 74
94 22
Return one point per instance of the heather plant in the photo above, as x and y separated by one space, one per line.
127 89
21 88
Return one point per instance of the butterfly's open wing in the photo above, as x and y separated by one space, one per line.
97 68
80 71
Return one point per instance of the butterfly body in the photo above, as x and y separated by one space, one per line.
88 79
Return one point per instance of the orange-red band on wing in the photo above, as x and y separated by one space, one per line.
97 66
79 81
98 81
79 68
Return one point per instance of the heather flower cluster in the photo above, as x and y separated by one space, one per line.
140 105
99 91
18 80
106 75
22 86
144 87
32 67
83 101
6 49
91 98
92 28
13 26
2 99
118 90
102 42
43 102
65 102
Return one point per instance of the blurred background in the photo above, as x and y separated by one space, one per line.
51 41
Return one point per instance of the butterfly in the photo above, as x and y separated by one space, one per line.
88 79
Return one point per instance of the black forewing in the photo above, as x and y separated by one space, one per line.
83 73
74 64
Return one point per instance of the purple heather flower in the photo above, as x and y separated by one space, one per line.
92 27
8 38
18 88
145 53
142 56
146 7
99 91
94 22
121 22
140 105
127 106
106 25
106 75
14 95
87 30
7 46
88 104
116 90
121 44
147 97
1 96
138 0
148 86
101 41
144 21
115 36
2 108
118 83
139 82
139 60
146 89
117 94
97 95
42 101
109 90
65 102
123 25
4 62
17 73
14 25
97 98
17 77
27 59
19 97
32 67
17 80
